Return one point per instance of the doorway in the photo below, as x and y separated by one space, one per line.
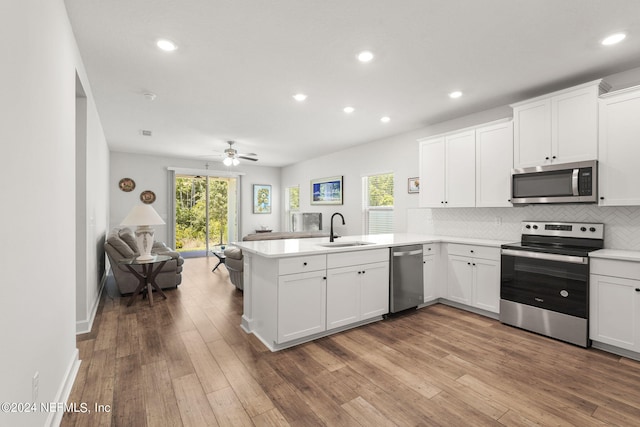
206 213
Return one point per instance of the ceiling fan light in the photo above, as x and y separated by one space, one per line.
227 161
235 162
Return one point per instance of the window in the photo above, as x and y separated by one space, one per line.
378 203
292 203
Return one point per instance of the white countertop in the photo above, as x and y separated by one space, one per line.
623 255
312 246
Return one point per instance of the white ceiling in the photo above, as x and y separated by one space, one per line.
240 61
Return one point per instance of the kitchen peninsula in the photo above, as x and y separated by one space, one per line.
297 290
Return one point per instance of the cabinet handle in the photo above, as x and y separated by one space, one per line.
304 263
441 201
428 249
546 158
474 264
468 263
553 157
471 250
637 289
363 272
601 197
324 278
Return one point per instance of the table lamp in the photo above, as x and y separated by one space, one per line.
143 216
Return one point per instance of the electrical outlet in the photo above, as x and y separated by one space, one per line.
35 385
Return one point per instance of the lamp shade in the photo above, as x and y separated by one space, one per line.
142 215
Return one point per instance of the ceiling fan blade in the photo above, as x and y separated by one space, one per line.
248 158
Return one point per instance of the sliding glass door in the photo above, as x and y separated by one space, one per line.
206 213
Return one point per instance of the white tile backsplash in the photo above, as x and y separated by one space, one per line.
622 224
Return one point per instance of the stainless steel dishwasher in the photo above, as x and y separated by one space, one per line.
406 290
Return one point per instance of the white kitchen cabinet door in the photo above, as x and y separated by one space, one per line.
486 284
356 293
374 290
459 279
494 162
429 278
301 305
574 125
614 316
432 170
532 134
560 127
343 296
460 170
619 157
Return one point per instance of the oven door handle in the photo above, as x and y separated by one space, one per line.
546 256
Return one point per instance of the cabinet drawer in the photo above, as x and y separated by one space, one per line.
302 264
430 249
615 268
345 259
486 252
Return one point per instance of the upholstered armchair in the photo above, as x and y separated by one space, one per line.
121 244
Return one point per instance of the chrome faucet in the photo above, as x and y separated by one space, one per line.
331 232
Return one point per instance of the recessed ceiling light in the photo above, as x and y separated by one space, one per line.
613 39
455 94
385 119
166 45
365 56
299 97
349 110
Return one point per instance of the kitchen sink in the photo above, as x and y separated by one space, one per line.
344 244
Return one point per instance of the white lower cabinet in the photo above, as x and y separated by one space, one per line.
301 300
473 276
357 292
430 271
614 307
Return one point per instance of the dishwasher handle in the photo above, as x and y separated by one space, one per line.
405 253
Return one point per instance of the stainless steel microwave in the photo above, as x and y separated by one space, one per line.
562 183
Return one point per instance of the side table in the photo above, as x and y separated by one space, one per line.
150 269
218 252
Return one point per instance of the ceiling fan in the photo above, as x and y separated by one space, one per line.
231 155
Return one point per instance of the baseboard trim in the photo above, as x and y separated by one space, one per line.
64 391
84 326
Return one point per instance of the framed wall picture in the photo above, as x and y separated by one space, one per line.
261 199
414 185
327 191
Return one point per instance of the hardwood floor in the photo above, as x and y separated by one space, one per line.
185 361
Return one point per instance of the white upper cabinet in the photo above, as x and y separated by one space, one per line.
468 168
620 148
494 161
432 171
559 127
447 163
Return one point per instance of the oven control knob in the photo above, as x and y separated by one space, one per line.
592 229
564 293
583 228
527 226
535 227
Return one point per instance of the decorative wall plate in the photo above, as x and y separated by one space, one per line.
148 197
127 184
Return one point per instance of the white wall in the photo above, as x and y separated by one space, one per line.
92 163
398 154
150 173
38 250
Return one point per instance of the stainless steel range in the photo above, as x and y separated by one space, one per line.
544 284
